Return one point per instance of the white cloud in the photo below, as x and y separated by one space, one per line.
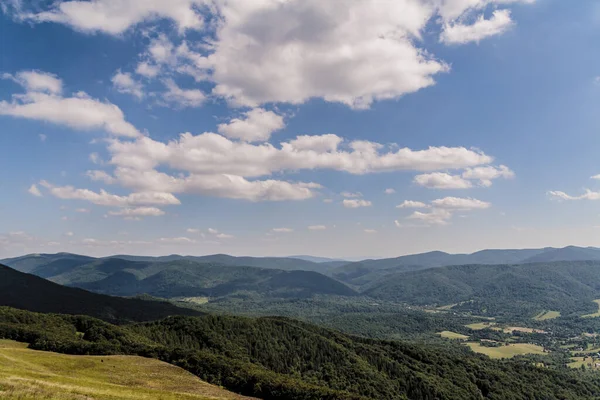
597 177
37 81
69 234
436 216
192 230
42 137
442 180
183 97
82 210
459 33
147 70
124 83
34 190
78 112
257 126
365 51
390 191
107 199
412 204
115 17
282 230
210 153
213 231
355 203
224 236
95 158
588 195
486 174
351 195
458 203
370 231
138 212
317 227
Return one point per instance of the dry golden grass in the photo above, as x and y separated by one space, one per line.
28 374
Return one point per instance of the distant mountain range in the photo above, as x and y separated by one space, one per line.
29 292
222 275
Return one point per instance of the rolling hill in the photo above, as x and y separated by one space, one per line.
186 278
33 293
568 287
282 359
33 374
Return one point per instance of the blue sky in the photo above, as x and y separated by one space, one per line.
380 129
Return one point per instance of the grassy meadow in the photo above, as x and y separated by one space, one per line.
29 374
507 351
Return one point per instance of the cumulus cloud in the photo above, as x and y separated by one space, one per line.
42 101
104 198
317 227
124 83
356 203
457 203
436 216
212 153
442 180
412 204
370 231
37 81
459 33
486 174
182 97
34 190
138 212
82 210
366 51
389 191
588 195
115 17
257 125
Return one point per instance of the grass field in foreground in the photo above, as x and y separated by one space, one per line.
506 351
596 314
544 315
29 374
452 335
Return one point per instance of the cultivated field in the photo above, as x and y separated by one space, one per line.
452 335
506 351
480 325
596 314
29 374
547 315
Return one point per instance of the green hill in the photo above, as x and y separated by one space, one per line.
30 292
186 278
568 287
27 374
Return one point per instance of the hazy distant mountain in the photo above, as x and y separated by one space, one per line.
318 259
366 271
175 276
29 292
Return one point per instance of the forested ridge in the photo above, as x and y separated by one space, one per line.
279 358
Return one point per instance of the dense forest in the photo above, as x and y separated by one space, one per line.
279 358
